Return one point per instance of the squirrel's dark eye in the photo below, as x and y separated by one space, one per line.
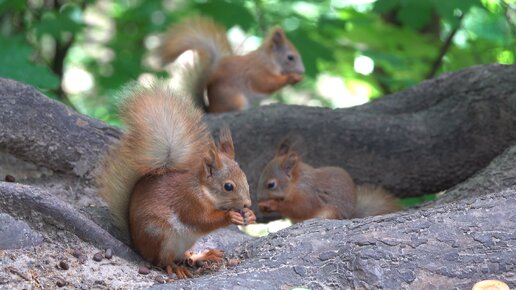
271 184
228 186
290 57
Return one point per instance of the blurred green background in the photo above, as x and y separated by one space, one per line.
83 52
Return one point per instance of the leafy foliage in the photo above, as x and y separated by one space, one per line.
112 42
411 201
15 53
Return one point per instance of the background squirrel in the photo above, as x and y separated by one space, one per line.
231 79
168 182
299 192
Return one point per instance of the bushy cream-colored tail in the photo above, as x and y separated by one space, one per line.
374 200
163 131
203 36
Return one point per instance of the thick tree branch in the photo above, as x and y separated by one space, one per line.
34 204
47 133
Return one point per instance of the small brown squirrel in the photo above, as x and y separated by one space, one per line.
231 79
168 182
299 192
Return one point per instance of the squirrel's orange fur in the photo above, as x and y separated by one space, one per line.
168 182
229 79
299 192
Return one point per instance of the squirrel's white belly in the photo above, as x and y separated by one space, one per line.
179 239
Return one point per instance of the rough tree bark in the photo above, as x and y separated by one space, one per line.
425 139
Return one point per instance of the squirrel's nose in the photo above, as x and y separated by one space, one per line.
301 69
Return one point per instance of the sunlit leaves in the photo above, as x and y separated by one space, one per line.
489 26
54 23
450 10
402 37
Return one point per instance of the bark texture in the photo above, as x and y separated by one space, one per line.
47 133
452 133
47 213
445 247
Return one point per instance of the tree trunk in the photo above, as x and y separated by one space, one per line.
428 138
421 140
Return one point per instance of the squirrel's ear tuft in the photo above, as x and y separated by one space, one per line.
283 148
288 144
290 162
277 38
225 144
211 162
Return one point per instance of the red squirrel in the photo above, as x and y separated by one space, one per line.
231 80
168 182
300 192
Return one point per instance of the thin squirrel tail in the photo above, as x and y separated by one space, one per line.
164 131
195 79
374 200
208 39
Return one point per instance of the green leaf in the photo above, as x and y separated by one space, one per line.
15 64
447 9
415 14
10 5
412 201
68 19
384 6
228 13
489 26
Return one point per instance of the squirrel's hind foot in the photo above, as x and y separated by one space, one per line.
205 257
181 271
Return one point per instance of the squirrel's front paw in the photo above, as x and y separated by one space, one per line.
248 215
269 205
295 78
235 217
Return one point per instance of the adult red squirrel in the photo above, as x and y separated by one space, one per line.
229 79
168 182
299 192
